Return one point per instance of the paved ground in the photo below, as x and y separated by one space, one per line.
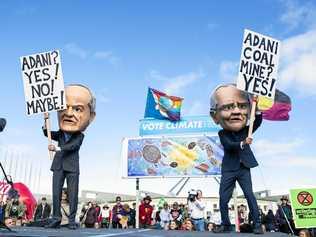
63 232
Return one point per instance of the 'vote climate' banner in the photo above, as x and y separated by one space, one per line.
188 124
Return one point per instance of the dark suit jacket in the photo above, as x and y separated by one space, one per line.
67 158
39 214
233 154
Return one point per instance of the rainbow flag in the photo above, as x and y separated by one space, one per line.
277 110
162 106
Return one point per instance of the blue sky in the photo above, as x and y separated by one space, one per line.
186 48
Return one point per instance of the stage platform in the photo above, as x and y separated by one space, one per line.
64 232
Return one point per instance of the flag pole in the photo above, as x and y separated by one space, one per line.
49 136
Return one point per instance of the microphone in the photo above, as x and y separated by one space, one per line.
3 122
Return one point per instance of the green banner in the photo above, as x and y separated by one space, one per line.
303 203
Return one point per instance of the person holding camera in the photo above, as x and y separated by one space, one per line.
15 210
196 209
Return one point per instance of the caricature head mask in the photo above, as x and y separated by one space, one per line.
80 111
230 107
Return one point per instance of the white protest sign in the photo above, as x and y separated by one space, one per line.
43 82
258 68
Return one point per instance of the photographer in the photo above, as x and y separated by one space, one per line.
15 210
196 209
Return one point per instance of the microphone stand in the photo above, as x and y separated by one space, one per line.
11 194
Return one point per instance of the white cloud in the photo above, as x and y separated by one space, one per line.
76 50
103 54
283 154
153 74
107 56
196 108
176 84
289 161
297 63
180 82
297 14
228 70
212 26
267 148
301 161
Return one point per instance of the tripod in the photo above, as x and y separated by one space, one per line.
12 193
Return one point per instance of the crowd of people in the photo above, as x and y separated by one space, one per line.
281 221
190 216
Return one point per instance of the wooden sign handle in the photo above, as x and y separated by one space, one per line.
49 136
252 115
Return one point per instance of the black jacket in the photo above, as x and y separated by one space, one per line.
40 214
67 158
233 154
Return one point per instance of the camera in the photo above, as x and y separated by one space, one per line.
192 195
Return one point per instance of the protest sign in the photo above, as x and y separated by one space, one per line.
303 202
43 82
176 156
258 66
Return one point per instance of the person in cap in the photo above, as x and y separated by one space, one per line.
284 216
145 212
230 108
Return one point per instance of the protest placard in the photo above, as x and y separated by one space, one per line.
303 202
258 66
43 82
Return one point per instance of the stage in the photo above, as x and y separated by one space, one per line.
64 232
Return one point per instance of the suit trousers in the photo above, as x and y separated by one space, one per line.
228 181
72 180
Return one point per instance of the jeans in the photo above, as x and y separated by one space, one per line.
198 224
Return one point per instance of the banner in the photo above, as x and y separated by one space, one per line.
190 124
185 156
259 63
303 202
43 82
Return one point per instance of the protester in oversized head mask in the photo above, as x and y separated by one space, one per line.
73 121
230 108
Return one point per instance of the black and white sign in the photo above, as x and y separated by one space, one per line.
43 82
258 67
